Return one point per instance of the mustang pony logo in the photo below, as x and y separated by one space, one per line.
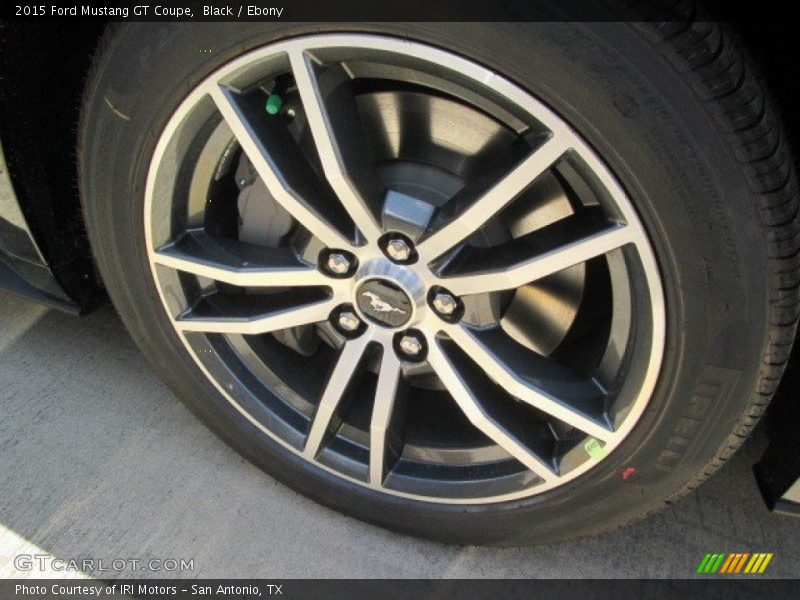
380 305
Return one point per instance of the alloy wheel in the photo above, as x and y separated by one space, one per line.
404 268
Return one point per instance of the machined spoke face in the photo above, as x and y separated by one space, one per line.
537 255
334 122
239 264
291 314
384 410
282 172
343 373
404 269
467 399
489 201
527 390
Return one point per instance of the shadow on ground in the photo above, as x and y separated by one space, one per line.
98 459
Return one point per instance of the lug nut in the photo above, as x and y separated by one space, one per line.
398 249
444 304
338 263
348 321
410 345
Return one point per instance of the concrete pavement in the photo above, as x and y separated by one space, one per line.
99 460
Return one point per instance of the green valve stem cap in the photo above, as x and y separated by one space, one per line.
595 449
274 103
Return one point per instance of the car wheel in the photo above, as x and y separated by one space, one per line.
485 283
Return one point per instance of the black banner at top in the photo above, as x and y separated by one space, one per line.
373 10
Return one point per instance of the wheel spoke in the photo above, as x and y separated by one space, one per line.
488 202
238 263
504 375
337 131
468 402
341 376
283 169
536 255
291 314
386 395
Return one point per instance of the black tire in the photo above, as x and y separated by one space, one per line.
678 114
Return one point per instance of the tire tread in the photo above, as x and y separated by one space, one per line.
713 63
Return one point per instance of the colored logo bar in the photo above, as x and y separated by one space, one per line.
735 563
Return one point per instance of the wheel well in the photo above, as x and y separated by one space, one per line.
43 80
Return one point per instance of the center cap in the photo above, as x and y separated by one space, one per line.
384 302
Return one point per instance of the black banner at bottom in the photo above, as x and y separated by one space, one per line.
388 589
